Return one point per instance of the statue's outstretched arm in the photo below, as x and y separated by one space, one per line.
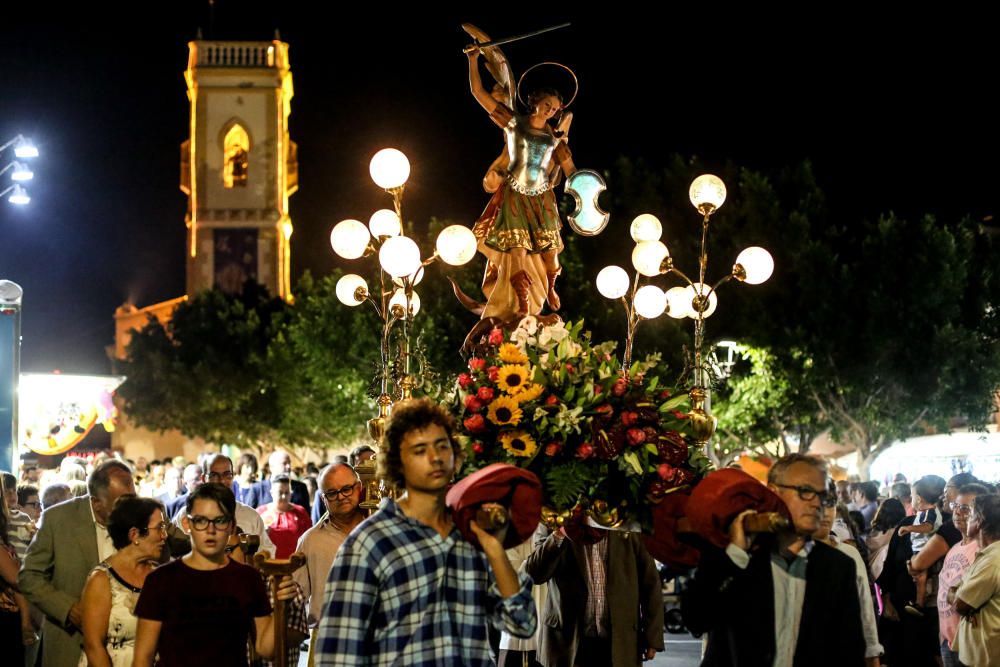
476 84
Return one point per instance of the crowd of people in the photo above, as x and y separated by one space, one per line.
911 578
151 565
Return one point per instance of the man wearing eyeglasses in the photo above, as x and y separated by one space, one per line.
777 600
219 470
73 538
340 489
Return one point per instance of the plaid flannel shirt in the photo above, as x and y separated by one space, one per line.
400 594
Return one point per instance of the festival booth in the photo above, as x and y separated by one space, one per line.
57 411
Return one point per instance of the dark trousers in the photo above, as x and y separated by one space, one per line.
594 652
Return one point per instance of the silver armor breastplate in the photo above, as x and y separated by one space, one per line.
530 153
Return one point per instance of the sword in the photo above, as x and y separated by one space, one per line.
508 40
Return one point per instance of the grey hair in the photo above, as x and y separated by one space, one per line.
780 466
100 479
210 461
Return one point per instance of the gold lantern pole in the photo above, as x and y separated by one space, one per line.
696 300
396 302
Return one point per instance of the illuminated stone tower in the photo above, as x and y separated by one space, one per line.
239 166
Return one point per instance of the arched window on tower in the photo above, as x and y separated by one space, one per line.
236 147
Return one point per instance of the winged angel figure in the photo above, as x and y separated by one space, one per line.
519 231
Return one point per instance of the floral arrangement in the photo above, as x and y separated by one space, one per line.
605 443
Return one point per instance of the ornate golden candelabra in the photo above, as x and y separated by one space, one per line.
696 300
395 301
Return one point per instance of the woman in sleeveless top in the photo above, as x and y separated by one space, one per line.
138 530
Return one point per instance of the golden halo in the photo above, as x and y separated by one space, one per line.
576 84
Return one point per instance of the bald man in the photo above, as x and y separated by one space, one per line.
281 463
340 488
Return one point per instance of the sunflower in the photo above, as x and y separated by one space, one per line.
529 393
518 443
512 354
504 410
512 378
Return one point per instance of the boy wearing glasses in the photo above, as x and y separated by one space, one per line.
778 599
201 609
405 587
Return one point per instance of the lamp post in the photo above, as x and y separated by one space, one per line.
394 300
24 149
696 300
10 370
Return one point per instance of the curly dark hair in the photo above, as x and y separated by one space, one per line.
539 94
409 416
131 512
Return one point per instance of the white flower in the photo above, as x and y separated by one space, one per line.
528 323
522 339
551 335
573 349
567 419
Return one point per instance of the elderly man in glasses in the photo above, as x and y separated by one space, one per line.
779 599
340 488
219 470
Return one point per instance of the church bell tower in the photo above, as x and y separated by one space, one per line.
239 166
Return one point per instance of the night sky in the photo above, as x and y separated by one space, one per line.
892 117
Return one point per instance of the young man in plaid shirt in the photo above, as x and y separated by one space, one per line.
405 587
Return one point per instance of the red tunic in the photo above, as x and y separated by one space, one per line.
285 528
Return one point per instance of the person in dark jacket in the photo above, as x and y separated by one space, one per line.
779 599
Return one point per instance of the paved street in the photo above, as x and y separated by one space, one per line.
682 651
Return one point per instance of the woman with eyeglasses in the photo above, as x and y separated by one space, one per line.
138 531
956 564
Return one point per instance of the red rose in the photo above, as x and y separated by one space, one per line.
619 387
493 372
477 447
636 436
552 400
605 410
665 471
464 380
585 451
570 368
477 364
485 394
496 337
475 424
598 389
473 404
629 417
678 414
553 448
666 393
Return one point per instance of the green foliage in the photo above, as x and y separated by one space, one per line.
321 363
752 406
547 399
205 373
567 485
